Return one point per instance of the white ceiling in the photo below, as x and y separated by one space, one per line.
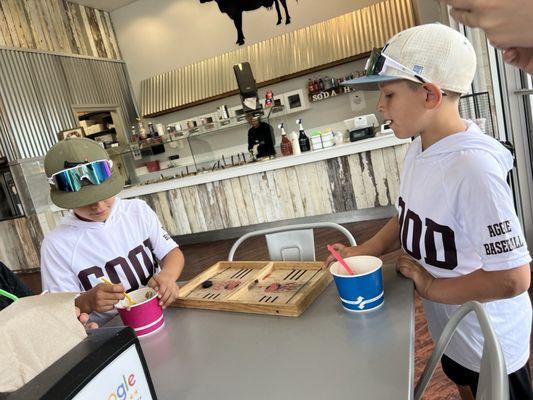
106 5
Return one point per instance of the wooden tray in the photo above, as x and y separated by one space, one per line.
262 287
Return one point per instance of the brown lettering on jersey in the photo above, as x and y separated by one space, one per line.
503 246
83 276
134 260
110 268
499 229
410 222
131 267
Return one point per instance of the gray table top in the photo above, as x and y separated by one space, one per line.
325 353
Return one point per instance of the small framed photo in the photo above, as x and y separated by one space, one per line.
278 105
208 121
71 133
238 113
295 101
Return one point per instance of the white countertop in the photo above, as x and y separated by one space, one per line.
269 165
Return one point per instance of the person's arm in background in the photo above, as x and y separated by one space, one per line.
386 240
11 283
251 141
270 140
507 25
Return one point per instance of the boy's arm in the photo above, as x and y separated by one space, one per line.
165 281
479 285
387 239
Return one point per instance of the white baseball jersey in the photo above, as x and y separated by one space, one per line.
457 215
77 253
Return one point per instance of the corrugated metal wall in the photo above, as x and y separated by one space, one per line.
38 91
336 39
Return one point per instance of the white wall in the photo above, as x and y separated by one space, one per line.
156 36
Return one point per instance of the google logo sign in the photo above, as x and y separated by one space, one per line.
122 391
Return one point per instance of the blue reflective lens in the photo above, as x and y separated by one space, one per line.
71 180
67 182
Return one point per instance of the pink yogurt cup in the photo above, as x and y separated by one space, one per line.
146 315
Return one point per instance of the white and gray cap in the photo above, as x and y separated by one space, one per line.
436 52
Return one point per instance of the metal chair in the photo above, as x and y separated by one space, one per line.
493 382
292 242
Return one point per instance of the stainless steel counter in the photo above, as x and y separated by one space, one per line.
326 353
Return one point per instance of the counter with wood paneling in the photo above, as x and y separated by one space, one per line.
349 177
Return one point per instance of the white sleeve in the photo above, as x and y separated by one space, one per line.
56 274
486 212
160 240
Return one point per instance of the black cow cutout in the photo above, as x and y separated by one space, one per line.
235 8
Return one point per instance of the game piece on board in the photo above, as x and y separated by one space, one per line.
207 284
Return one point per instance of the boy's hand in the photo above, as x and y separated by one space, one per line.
409 268
344 251
165 286
103 297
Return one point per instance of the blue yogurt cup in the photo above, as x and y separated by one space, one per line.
364 290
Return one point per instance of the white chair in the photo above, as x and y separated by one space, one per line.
292 242
493 382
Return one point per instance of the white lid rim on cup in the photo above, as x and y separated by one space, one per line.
355 275
142 328
137 303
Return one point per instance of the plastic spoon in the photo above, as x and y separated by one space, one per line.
125 294
8 295
339 258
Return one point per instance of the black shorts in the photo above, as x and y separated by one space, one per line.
519 381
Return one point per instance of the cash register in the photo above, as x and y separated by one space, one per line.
107 364
361 127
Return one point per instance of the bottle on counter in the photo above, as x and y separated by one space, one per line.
320 84
316 140
310 86
293 138
141 130
151 130
328 139
286 146
134 137
303 140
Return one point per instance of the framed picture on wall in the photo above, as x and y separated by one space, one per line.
278 105
71 133
295 101
208 121
237 113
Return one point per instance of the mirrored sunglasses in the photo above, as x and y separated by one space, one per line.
378 63
72 179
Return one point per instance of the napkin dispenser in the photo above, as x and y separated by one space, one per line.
361 127
108 364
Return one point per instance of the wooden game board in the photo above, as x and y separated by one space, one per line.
262 287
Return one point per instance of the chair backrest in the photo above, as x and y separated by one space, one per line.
493 382
291 242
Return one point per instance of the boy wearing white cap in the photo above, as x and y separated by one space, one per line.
103 237
456 219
